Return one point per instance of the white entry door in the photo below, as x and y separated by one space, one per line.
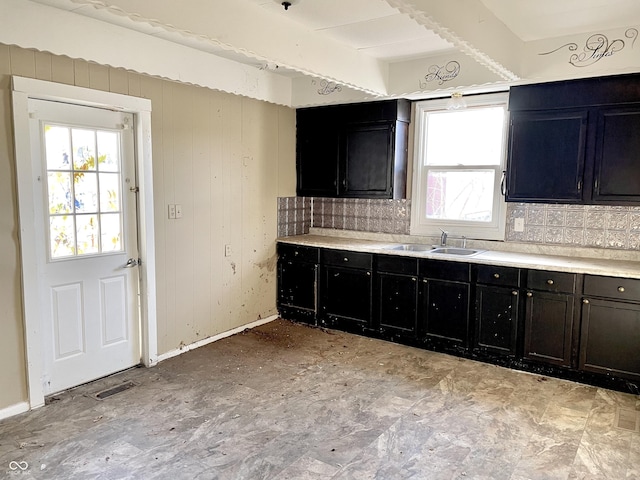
87 253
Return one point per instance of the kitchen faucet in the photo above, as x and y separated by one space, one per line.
445 235
443 238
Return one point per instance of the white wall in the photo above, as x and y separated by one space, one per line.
223 157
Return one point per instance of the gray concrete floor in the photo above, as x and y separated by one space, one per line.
286 401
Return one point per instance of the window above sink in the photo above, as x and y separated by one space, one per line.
459 158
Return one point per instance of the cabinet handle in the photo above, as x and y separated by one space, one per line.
585 300
503 183
529 294
424 280
295 254
579 185
621 289
345 259
514 293
336 274
414 279
549 282
369 274
496 275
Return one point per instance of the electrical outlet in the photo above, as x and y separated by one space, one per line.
178 210
227 250
172 212
518 225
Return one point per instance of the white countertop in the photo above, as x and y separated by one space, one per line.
559 263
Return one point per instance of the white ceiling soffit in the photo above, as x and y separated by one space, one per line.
350 50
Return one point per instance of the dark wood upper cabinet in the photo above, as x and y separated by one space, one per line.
355 151
547 152
317 169
617 157
575 141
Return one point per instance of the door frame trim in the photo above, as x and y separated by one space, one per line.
24 89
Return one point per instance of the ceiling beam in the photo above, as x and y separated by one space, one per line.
473 29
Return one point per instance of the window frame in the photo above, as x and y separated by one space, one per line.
420 225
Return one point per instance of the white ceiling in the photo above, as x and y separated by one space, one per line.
361 44
541 19
372 27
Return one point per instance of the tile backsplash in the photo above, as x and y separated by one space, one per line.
294 216
593 226
366 215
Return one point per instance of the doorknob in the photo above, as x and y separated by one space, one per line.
132 262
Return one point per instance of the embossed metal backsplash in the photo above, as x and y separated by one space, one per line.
297 214
575 225
591 226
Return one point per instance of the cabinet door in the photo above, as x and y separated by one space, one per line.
297 290
397 303
318 150
617 163
366 163
610 338
548 324
445 311
297 284
496 319
546 156
346 296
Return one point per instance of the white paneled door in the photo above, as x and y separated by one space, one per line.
87 253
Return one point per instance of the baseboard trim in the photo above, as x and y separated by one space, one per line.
14 410
214 338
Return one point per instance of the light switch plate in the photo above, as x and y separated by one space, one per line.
172 211
227 250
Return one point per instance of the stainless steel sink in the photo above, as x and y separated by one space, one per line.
410 247
455 251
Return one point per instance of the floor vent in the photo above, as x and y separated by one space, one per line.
114 390
628 420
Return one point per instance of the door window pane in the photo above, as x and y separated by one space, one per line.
84 194
59 184
62 235
111 224
57 147
109 192
87 234
84 149
108 152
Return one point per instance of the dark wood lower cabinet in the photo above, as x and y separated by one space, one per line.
496 319
297 282
548 327
610 338
445 311
524 319
346 297
396 297
397 304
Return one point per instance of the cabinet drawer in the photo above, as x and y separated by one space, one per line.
445 270
402 265
346 258
298 253
551 281
612 287
502 276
